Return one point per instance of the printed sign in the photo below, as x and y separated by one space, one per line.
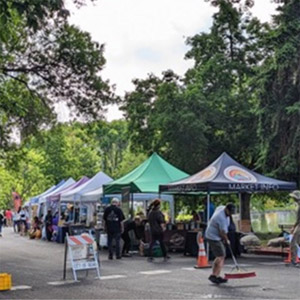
236 174
205 175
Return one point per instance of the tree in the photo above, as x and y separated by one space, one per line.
279 94
47 60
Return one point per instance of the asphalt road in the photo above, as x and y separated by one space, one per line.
37 270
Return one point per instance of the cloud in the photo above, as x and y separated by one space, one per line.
147 36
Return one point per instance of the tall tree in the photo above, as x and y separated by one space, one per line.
279 96
48 60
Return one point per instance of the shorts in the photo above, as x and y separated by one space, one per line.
217 248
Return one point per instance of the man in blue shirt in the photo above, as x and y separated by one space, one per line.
216 234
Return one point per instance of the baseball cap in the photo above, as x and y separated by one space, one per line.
295 195
230 207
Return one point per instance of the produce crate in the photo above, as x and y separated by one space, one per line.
5 281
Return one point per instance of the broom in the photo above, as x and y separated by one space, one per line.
237 272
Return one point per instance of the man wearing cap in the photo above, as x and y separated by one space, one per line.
216 234
113 218
295 230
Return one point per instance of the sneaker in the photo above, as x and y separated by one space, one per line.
110 257
294 264
150 259
213 279
126 255
222 280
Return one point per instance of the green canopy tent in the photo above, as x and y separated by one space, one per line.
146 178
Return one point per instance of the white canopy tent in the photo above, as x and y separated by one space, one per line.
76 195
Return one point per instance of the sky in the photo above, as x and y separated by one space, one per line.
146 36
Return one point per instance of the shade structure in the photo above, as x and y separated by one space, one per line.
57 194
94 183
147 177
35 199
67 183
227 175
93 196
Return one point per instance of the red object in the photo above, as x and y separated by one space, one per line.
289 258
8 214
240 275
17 200
202 261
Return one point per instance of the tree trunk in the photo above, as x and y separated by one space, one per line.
245 217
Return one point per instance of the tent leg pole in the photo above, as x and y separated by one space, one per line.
208 204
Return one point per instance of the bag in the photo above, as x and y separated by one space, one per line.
156 250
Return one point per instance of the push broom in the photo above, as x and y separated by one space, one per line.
237 272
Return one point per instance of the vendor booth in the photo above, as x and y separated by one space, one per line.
226 175
142 184
85 204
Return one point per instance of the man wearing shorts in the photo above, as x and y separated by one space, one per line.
216 235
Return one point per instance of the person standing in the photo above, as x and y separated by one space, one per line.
156 220
113 221
1 222
216 234
8 215
128 226
295 231
48 225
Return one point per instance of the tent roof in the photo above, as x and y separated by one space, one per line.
226 174
61 187
56 195
35 199
146 177
94 183
93 196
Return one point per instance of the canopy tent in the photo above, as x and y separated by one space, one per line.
57 194
66 184
75 195
147 177
149 197
93 196
227 175
35 199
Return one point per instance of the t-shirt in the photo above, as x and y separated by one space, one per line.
217 223
113 216
156 218
298 216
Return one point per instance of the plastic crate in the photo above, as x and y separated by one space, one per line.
5 281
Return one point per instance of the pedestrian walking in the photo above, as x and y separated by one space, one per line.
216 235
1 222
8 215
156 221
295 231
113 218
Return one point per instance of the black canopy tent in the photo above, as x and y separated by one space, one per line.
226 175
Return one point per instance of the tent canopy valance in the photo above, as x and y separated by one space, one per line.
227 175
147 177
75 195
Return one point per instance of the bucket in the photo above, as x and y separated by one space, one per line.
5 281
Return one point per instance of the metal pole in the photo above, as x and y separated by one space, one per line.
65 259
208 205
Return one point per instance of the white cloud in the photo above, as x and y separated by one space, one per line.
146 36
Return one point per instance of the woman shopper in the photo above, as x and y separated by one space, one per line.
156 220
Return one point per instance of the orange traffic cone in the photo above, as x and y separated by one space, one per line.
202 259
289 258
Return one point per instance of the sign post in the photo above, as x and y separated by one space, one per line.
81 253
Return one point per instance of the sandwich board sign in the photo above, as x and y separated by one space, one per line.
81 253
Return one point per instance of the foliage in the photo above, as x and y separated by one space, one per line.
44 60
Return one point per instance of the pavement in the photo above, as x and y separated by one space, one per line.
37 271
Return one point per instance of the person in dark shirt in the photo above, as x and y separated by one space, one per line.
129 225
156 220
295 231
113 218
48 225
